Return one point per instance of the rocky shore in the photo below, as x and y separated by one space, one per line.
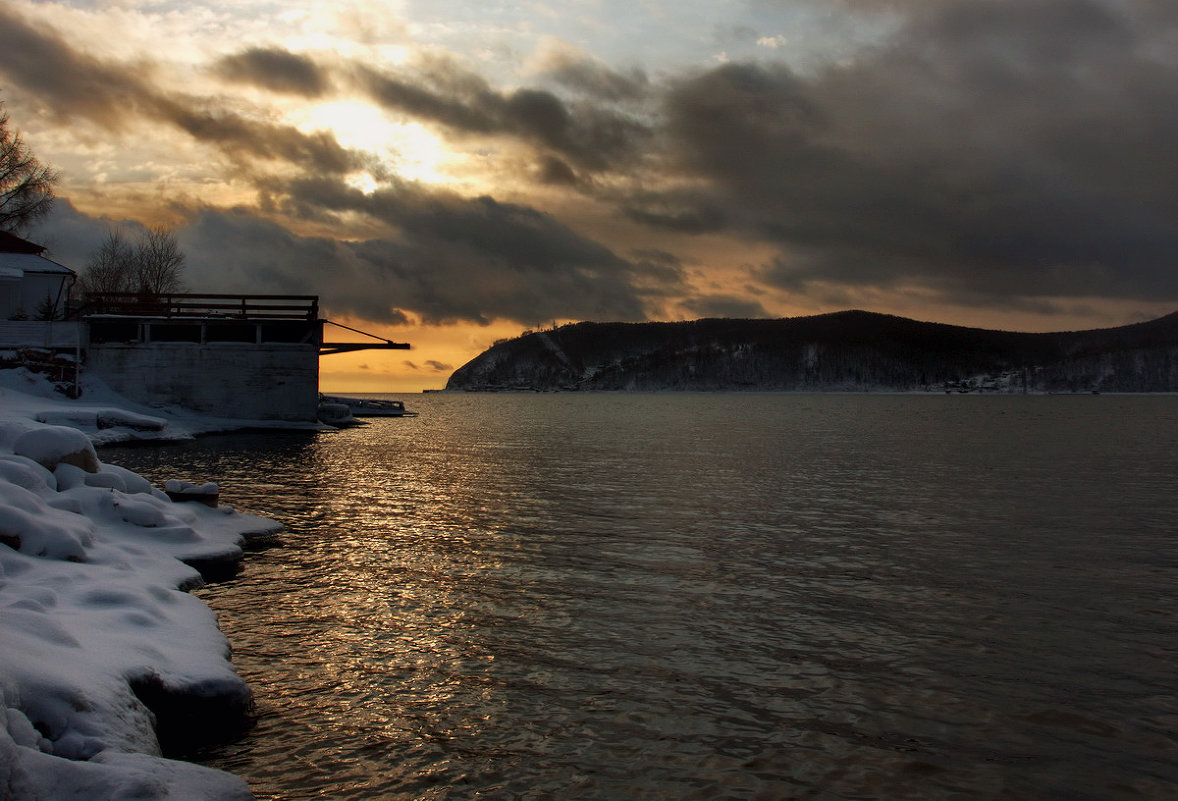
107 663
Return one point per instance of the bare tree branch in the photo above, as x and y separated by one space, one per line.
112 268
151 267
26 185
160 263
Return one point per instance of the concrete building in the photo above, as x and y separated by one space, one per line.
247 357
251 357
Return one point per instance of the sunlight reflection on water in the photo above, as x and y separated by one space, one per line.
708 596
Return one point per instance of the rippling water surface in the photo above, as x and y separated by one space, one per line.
709 597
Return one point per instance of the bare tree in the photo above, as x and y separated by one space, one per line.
160 263
26 185
151 267
112 268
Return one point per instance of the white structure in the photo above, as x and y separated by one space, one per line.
32 287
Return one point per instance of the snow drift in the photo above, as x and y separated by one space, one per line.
102 651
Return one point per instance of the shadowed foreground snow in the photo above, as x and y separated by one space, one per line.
94 615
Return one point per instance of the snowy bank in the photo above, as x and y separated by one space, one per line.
108 418
102 651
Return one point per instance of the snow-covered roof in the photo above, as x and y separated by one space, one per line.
32 263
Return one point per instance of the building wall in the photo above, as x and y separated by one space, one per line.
28 297
39 290
56 335
276 381
9 293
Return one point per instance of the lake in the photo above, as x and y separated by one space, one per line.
708 596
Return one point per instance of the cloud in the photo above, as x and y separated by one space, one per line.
275 69
994 149
432 365
73 237
590 135
113 94
465 108
479 259
772 42
244 139
577 70
567 137
994 152
454 259
556 171
66 82
692 211
725 306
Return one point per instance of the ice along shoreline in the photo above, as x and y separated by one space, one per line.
106 654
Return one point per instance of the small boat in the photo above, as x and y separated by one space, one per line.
371 407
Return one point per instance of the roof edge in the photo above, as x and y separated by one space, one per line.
11 243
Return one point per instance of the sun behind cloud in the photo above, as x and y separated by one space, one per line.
407 149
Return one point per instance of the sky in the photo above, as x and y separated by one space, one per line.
449 173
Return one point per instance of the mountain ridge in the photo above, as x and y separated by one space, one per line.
846 351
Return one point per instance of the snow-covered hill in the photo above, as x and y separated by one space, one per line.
851 351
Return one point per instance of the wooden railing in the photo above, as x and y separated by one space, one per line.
237 307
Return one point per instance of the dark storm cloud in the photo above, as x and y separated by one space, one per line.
583 135
552 170
692 212
463 111
245 140
590 135
725 306
664 272
236 251
66 82
593 79
478 259
455 259
670 269
997 151
70 85
275 69
995 148
72 237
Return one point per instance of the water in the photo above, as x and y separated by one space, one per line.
708 597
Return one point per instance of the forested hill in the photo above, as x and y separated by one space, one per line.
850 351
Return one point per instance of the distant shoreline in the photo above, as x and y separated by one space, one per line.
853 351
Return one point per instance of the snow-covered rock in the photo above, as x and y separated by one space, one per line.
50 446
178 487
